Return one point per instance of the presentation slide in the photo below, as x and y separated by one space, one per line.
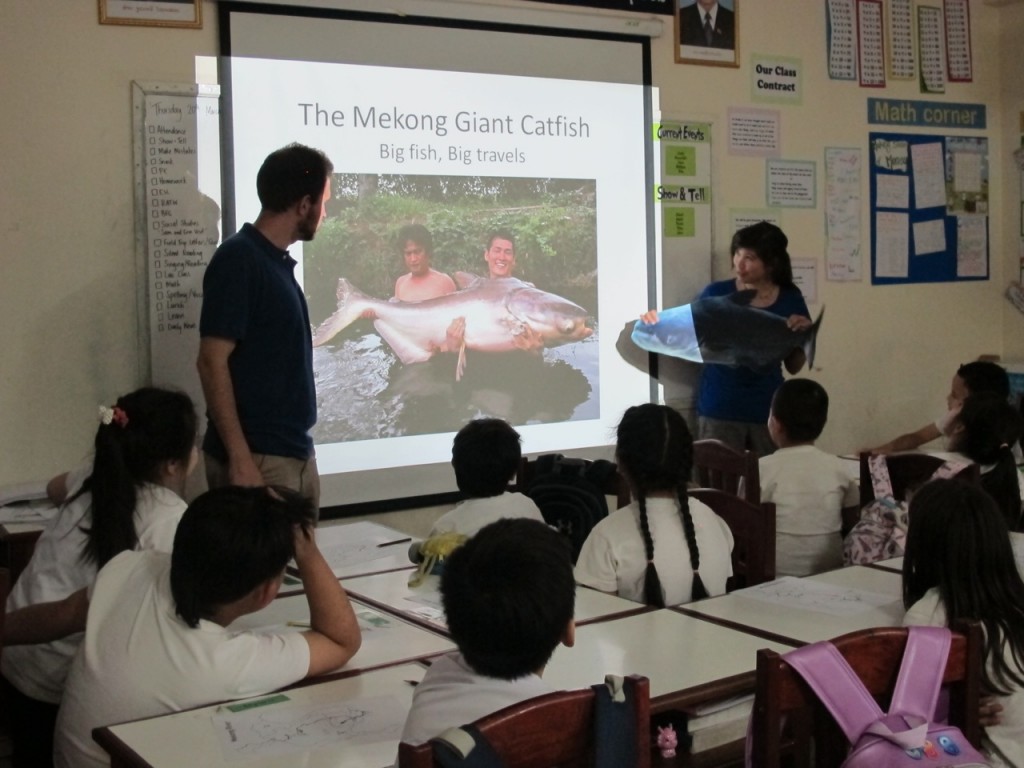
533 192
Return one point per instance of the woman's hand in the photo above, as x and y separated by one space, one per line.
650 317
798 322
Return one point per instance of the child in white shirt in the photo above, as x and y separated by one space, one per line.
811 489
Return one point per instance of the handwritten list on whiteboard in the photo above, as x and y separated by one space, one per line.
177 143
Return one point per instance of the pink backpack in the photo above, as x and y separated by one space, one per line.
881 531
904 737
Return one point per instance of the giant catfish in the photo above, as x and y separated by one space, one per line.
725 330
500 314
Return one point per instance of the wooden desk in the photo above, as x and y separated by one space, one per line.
387 639
17 543
687 659
892 564
788 623
422 605
193 738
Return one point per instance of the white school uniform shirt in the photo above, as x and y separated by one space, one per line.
57 570
809 489
451 694
139 659
1003 743
471 515
613 558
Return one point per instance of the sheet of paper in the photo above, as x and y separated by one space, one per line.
892 190
892 245
929 236
902 60
39 512
842 213
354 543
842 40
929 175
966 172
971 246
891 155
280 729
794 592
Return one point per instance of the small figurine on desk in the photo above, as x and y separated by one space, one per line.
667 741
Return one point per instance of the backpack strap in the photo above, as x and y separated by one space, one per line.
615 733
837 687
920 677
881 484
949 469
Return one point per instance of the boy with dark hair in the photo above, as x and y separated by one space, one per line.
485 457
509 598
156 625
970 379
810 488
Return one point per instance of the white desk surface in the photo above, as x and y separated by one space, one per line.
802 625
191 738
688 660
387 639
391 591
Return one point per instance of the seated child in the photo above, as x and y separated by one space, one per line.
959 565
156 625
984 431
969 379
664 548
485 457
128 497
810 488
509 597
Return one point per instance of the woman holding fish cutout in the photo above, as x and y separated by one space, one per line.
742 351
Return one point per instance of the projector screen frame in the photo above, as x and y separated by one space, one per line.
433 493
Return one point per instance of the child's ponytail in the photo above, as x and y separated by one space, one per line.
136 437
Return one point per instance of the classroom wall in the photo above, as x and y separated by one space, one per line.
68 289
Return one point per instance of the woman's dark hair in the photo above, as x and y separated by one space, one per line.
769 243
146 428
655 451
958 543
989 426
229 541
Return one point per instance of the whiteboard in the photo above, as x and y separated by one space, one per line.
177 224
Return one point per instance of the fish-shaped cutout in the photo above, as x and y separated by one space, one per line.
725 330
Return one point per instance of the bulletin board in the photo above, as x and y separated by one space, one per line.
929 208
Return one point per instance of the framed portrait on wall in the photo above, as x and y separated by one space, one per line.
707 32
153 13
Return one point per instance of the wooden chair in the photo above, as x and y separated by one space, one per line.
717 465
552 730
907 471
753 533
811 736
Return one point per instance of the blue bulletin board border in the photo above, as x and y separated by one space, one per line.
940 266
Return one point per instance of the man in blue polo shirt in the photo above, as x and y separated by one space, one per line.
255 355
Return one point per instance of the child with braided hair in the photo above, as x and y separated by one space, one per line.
128 497
664 548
